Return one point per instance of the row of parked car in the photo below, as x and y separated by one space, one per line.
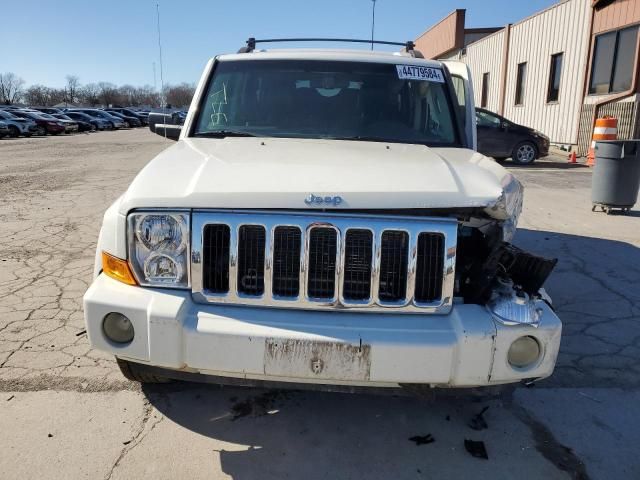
28 121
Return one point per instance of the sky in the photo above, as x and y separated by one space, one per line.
116 40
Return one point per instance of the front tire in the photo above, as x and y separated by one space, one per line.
525 153
131 372
13 131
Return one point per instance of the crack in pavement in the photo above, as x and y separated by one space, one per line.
138 438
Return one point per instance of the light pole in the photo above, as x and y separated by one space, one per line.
373 21
160 50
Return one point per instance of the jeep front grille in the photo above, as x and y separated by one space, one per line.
314 261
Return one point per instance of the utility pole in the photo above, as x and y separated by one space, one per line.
373 21
155 85
162 102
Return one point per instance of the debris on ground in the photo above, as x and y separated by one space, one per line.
11 398
260 405
476 449
49 435
478 422
127 442
81 332
422 439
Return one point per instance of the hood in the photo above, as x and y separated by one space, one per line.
282 173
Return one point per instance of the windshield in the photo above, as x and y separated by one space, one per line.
329 99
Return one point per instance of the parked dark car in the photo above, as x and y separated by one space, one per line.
4 129
116 122
49 110
501 138
130 113
82 125
70 126
97 123
128 120
51 126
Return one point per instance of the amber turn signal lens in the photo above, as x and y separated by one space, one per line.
117 269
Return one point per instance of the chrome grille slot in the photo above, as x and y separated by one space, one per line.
357 264
251 243
430 265
216 252
321 253
287 245
393 266
317 260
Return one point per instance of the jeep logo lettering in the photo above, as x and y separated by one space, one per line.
315 200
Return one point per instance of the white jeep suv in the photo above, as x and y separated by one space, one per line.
323 219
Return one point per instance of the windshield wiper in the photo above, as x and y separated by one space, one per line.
224 133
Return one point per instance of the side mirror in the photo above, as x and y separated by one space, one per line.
171 132
171 122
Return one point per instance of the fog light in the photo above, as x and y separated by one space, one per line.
523 352
117 328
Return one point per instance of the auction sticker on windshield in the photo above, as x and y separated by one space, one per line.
415 72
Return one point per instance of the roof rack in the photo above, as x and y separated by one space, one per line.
251 43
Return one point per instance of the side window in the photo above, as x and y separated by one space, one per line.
612 63
520 82
555 71
484 99
458 86
485 119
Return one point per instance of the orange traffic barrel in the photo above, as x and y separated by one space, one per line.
606 128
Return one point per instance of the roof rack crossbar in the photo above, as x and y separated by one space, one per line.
251 42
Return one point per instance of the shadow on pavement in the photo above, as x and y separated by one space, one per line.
277 434
295 434
596 291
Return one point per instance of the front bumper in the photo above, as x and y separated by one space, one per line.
543 147
466 348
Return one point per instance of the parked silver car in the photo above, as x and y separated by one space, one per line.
18 126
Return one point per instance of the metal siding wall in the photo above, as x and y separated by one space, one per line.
483 56
616 14
562 28
444 36
625 111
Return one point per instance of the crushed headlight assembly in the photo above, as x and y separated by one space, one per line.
508 206
513 307
159 248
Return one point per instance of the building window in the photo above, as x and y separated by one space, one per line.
485 90
520 81
555 71
614 56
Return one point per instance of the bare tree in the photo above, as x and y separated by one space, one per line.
108 94
88 95
92 94
42 96
10 88
71 90
179 95
36 95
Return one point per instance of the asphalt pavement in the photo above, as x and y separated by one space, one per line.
66 412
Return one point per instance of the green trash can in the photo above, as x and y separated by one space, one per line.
616 176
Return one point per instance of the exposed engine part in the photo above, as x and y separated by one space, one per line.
483 256
528 271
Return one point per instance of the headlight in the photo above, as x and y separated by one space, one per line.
159 248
